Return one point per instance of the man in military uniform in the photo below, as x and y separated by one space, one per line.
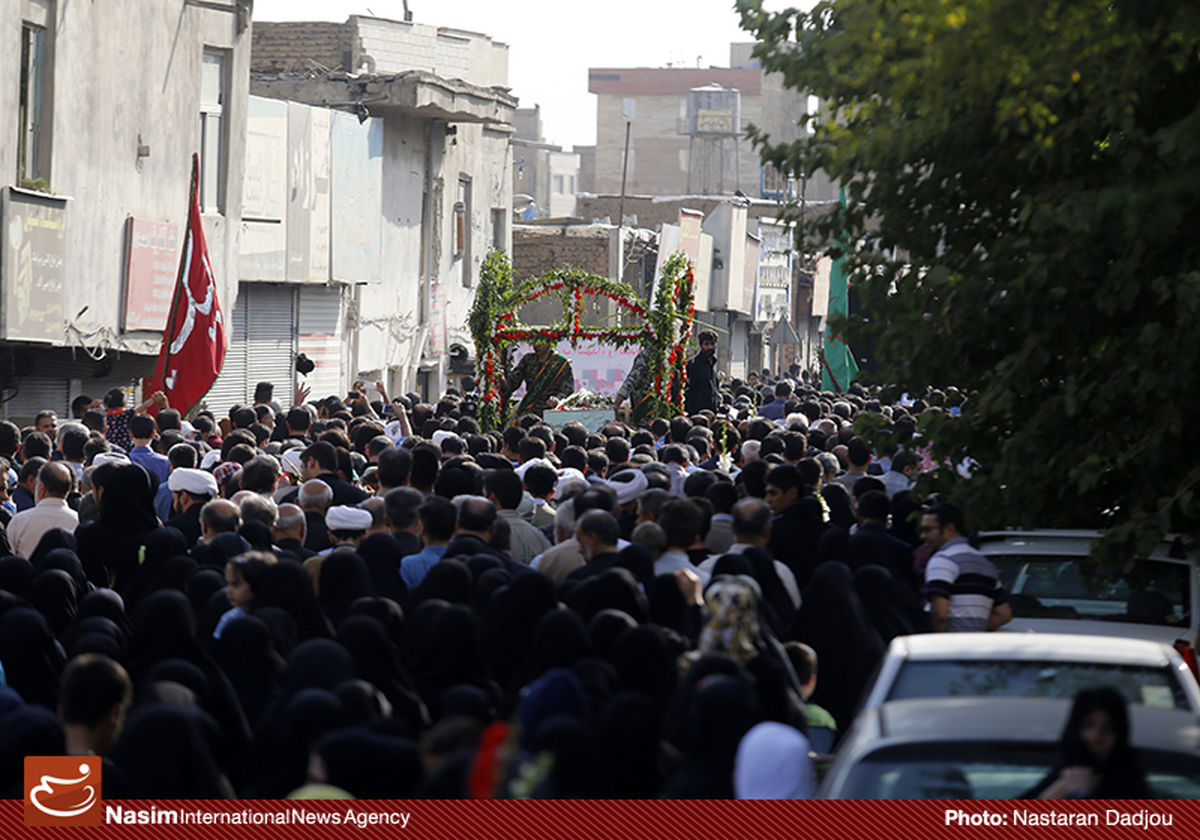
547 376
638 388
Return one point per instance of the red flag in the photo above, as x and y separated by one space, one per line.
193 347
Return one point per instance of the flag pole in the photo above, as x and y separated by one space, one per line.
164 355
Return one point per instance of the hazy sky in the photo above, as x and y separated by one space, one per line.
552 44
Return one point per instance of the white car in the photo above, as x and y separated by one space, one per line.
993 748
1054 665
1054 587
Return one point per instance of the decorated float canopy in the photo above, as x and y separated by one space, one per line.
662 327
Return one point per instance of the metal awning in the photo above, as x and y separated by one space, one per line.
412 93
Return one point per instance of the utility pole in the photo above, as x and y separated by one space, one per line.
628 107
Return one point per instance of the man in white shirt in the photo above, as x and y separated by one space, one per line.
54 483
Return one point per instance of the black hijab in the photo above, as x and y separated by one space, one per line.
53 595
560 640
615 589
306 716
605 628
163 628
128 500
28 730
105 603
183 673
893 608
342 581
109 546
841 509
449 655
96 634
467 701
381 552
668 608
645 662
218 551
256 534
161 545
387 612
172 751
289 586
285 635
250 661
53 539
365 704
316 663
448 580
488 583
510 620
31 657
629 763
778 608
370 765
16 575
833 622
377 661
574 747
64 558
721 709
832 545
200 586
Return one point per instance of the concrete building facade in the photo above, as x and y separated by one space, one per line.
103 106
444 163
662 155
541 170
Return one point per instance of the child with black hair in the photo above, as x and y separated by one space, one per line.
242 574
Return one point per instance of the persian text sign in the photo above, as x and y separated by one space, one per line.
34 266
151 263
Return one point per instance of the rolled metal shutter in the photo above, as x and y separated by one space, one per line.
271 340
230 387
322 334
36 394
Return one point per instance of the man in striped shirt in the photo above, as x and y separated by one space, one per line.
962 586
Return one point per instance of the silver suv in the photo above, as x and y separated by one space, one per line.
1054 587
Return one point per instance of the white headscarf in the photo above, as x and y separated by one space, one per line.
772 763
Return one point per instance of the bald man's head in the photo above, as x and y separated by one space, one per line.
220 516
55 480
290 524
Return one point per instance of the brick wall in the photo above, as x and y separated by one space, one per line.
279 47
538 250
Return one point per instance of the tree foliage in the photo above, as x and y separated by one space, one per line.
1024 186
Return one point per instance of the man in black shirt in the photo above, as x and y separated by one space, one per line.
320 461
702 386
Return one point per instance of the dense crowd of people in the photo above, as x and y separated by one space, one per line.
376 598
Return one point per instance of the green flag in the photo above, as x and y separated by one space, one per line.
838 366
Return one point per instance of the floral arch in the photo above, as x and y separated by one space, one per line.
665 327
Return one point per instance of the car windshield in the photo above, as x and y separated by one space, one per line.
1042 586
992 771
1010 678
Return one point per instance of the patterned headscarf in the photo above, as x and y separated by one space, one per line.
732 628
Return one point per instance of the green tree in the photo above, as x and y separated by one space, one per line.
1024 187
